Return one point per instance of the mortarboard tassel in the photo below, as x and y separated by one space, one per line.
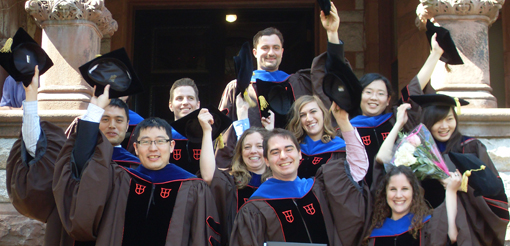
457 105
7 46
263 103
467 173
219 142
248 99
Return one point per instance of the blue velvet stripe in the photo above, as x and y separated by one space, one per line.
370 121
168 173
121 154
310 147
276 76
255 180
134 118
442 145
177 136
392 228
276 189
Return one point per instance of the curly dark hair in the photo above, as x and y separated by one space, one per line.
382 210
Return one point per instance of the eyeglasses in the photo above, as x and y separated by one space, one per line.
158 142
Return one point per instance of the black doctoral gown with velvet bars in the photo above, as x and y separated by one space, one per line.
186 154
114 205
305 210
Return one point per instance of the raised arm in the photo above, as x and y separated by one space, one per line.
451 204
30 127
385 153
207 160
357 157
331 23
426 70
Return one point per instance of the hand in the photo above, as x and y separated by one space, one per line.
206 120
402 114
31 89
268 122
454 181
331 24
103 100
242 107
435 45
339 113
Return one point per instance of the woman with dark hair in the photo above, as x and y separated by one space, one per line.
486 213
232 188
375 122
311 124
401 216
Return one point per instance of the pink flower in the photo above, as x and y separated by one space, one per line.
414 140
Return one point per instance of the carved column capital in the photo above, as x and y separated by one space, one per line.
428 9
90 10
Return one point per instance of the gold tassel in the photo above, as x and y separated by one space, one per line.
447 67
7 46
263 103
219 142
464 184
248 99
457 105
98 55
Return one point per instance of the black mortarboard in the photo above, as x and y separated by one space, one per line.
325 6
277 96
244 68
450 54
115 69
438 99
484 182
189 126
20 57
345 95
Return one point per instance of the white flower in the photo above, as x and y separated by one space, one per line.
405 155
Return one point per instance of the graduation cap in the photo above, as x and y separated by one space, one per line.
443 38
112 69
21 54
189 126
346 95
325 6
277 96
244 71
483 180
439 100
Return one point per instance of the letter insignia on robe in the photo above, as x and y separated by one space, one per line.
288 216
316 160
309 209
196 154
139 189
165 192
366 140
177 154
384 135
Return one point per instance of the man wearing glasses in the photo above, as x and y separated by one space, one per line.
158 203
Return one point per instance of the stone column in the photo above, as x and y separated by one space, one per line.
72 32
468 22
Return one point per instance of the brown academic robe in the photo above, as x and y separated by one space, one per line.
29 182
340 203
94 206
303 82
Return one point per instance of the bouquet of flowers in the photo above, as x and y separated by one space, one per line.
419 151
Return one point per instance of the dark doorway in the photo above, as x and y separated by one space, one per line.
200 44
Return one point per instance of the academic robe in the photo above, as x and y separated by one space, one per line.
316 153
229 198
374 129
186 154
397 233
485 218
303 82
117 206
330 208
29 182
